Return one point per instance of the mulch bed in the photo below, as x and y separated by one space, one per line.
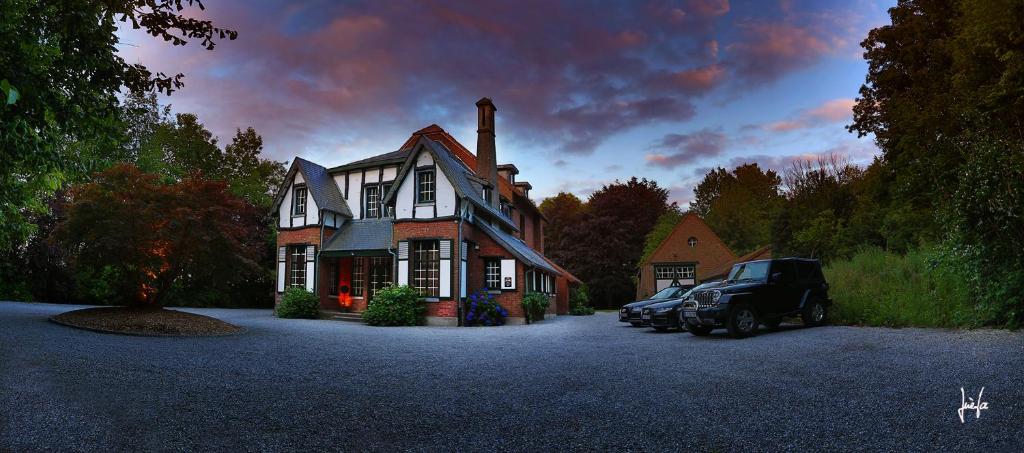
150 322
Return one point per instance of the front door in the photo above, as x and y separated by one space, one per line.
344 282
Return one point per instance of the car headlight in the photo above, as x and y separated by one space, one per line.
715 296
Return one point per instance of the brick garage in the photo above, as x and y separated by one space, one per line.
684 257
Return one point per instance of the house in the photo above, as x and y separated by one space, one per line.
431 215
684 258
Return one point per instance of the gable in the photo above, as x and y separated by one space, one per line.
709 252
321 188
455 171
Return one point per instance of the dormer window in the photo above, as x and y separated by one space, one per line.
425 186
299 201
487 194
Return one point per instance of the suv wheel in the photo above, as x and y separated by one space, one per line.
742 321
814 313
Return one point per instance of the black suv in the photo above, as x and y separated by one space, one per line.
665 315
760 292
631 312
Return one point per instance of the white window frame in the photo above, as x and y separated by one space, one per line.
426 187
492 273
299 203
372 197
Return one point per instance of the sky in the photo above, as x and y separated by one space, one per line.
587 92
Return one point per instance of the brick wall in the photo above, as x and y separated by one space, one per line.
442 229
303 236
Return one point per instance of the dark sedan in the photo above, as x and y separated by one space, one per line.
665 315
631 312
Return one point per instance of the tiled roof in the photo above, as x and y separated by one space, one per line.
517 247
323 188
392 157
364 235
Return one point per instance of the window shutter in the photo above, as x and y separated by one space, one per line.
508 274
462 269
403 262
445 289
310 268
282 252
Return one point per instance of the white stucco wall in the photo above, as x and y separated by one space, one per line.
444 198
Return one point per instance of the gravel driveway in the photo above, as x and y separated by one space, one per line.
568 383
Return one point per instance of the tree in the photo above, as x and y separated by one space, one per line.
59 79
134 241
941 69
563 212
739 205
664 227
607 243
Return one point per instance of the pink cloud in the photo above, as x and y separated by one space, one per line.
832 111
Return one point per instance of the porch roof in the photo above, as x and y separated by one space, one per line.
363 237
517 247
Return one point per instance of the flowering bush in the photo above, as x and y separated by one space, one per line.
483 310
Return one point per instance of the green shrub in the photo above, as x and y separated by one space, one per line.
921 289
395 306
534 306
579 301
298 303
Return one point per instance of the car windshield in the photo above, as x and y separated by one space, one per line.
667 293
749 271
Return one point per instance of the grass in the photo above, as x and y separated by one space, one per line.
879 288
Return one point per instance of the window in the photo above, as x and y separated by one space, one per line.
426 267
692 242
386 210
487 195
674 272
380 273
299 201
297 265
492 273
372 205
506 209
425 186
357 277
334 270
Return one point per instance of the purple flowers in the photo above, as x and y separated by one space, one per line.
483 310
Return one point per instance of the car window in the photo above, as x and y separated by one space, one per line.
666 293
757 270
809 271
787 269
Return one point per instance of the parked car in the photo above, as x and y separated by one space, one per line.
631 312
760 292
665 315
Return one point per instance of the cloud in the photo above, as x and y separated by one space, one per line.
833 111
686 148
308 74
766 50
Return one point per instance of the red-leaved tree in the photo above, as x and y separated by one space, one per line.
134 241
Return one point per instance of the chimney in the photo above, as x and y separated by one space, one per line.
486 160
